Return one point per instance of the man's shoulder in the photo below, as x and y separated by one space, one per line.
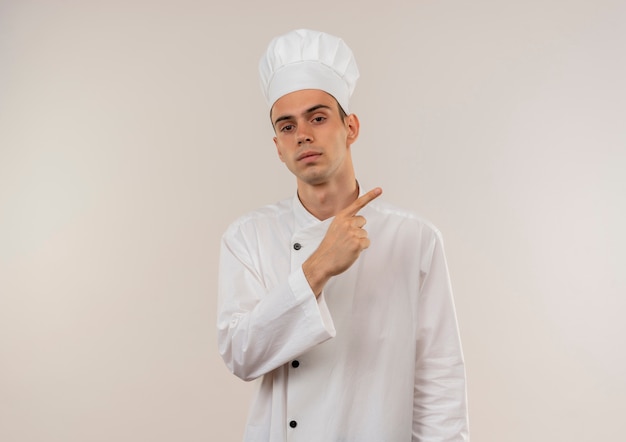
269 213
393 214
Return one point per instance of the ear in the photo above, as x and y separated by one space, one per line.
280 155
353 125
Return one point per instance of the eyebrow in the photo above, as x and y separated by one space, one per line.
308 111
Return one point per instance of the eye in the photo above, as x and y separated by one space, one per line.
319 119
287 128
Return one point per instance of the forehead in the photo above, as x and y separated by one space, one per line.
296 103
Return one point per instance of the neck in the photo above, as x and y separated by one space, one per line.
326 200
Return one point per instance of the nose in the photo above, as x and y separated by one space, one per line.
304 140
304 135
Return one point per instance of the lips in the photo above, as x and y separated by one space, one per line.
308 155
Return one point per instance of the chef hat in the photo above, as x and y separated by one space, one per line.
305 59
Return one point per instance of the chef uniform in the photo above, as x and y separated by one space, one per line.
377 356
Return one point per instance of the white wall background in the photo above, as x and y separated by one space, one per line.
132 132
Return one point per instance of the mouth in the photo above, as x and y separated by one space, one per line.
309 155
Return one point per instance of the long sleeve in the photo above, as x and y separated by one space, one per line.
440 404
262 323
387 365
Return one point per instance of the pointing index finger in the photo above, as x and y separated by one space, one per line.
363 201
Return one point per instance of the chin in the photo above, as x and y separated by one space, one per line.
315 180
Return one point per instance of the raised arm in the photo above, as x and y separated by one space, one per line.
342 245
261 328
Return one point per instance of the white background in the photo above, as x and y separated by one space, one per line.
132 133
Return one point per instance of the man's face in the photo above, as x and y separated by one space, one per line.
312 138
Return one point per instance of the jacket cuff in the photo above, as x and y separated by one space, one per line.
314 308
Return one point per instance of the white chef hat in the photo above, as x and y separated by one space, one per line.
305 59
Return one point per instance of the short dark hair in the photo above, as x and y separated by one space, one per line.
342 113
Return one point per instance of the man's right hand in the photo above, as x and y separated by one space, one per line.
342 245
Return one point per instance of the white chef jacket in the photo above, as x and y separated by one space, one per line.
377 357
